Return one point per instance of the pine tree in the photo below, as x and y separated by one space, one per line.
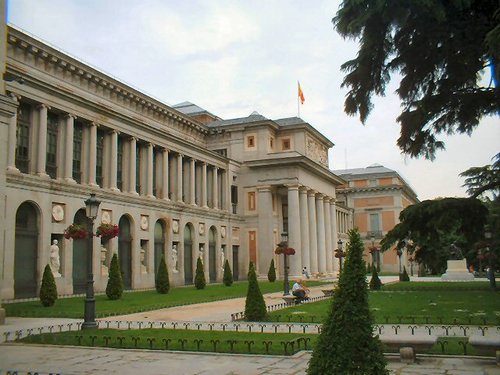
114 289
227 279
199 279
48 289
255 307
375 283
346 345
271 274
162 283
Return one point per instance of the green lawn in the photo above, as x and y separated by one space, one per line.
132 302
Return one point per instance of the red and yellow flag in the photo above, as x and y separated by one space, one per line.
301 95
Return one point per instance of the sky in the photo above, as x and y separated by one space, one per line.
233 57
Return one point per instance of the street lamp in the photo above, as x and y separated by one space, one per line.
284 245
91 210
489 254
339 253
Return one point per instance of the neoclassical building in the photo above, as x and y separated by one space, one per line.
179 181
377 195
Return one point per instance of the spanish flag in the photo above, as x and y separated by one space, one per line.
301 94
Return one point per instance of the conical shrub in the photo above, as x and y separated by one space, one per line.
404 276
271 274
346 345
48 289
255 307
227 279
114 288
375 283
199 279
162 284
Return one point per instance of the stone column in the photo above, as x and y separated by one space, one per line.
133 166
265 240
164 174
113 160
320 215
304 229
12 141
68 160
204 185
215 188
149 170
179 178
192 182
328 236
335 235
92 154
313 235
294 230
42 141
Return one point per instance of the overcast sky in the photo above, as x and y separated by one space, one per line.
235 57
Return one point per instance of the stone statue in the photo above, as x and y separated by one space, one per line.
222 259
455 252
200 254
143 261
104 267
174 259
54 259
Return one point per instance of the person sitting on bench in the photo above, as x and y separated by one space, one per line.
300 291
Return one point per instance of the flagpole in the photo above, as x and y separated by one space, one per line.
298 100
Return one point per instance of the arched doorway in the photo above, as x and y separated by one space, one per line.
212 260
26 251
80 256
159 244
125 251
188 254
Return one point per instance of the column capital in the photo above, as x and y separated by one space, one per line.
42 106
16 98
94 123
320 196
311 193
68 116
264 188
293 186
114 131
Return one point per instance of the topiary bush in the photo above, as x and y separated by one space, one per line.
375 283
199 279
227 279
271 274
404 276
114 288
255 307
48 289
346 344
162 284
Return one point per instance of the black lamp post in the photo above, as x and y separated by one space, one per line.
91 210
284 245
340 253
489 254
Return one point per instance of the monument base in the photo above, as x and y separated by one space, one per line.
457 271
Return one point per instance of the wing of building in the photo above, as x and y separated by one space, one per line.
377 195
179 181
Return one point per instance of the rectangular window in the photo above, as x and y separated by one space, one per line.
77 151
285 144
251 201
99 157
23 137
119 162
251 141
271 143
375 222
234 198
52 127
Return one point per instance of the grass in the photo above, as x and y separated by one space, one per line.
451 304
132 302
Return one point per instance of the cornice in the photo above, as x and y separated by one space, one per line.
378 189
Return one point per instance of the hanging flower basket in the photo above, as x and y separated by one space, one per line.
284 250
76 232
107 231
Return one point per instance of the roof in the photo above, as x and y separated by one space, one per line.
359 172
254 117
192 109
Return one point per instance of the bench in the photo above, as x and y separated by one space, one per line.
486 345
408 345
327 292
291 300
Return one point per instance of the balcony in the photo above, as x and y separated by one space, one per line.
377 234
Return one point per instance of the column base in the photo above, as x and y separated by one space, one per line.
93 184
115 189
150 196
133 192
13 169
42 175
69 180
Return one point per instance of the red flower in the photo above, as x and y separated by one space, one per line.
75 232
107 231
284 250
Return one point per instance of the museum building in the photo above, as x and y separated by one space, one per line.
179 181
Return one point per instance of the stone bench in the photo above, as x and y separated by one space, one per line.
408 345
486 345
327 292
291 299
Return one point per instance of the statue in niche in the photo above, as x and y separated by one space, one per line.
55 262
104 267
222 258
200 254
175 259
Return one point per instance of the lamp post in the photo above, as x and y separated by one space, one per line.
489 254
284 245
339 253
91 210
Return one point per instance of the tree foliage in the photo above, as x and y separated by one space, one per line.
199 278
227 278
162 283
346 344
480 180
375 282
48 289
439 48
255 306
271 274
114 288
431 226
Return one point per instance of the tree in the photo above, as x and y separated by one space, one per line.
162 284
375 282
346 344
271 274
227 279
255 306
48 289
199 278
431 226
114 288
480 180
439 48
